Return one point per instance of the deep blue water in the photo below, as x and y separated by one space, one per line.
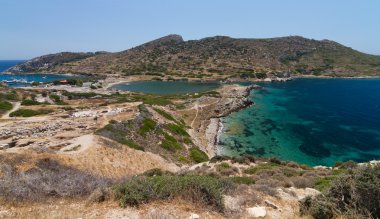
310 121
166 87
5 64
25 79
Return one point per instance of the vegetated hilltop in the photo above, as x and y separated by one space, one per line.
221 55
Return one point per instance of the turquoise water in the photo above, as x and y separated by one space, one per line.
24 80
310 121
166 87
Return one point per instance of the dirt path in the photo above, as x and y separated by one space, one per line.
196 106
16 106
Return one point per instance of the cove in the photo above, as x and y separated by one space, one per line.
166 87
25 80
309 121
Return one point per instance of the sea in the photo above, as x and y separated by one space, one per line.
309 121
25 80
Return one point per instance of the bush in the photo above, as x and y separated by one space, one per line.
5 106
44 179
165 114
147 126
205 190
29 112
242 180
222 166
246 159
73 95
225 169
319 209
11 95
218 158
346 165
117 133
176 129
154 172
261 166
303 182
198 155
57 99
170 143
261 75
152 99
355 192
28 102
130 143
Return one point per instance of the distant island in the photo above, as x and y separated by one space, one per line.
218 57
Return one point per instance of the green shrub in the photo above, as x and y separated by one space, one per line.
154 172
198 155
130 143
57 99
324 182
67 108
246 159
147 126
28 102
29 112
261 166
346 165
74 95
152 99
205 190
261 75
165 114
176 129
187 140
5 106
170 143
222 166
242 180
319 209
11 95
114 132
354 193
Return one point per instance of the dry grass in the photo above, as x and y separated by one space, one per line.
25 179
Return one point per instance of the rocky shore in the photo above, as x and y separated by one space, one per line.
207 126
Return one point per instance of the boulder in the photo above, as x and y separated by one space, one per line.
194 216
256 212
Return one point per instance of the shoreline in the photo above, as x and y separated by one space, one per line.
216 127
332 77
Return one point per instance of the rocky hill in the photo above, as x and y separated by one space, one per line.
226 56
48 62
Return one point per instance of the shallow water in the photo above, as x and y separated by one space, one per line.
310 121
166 87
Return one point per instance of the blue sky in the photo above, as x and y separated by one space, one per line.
30 28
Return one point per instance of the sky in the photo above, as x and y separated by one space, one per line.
30 28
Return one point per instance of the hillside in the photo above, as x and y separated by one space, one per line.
219 55
48 62
109 154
